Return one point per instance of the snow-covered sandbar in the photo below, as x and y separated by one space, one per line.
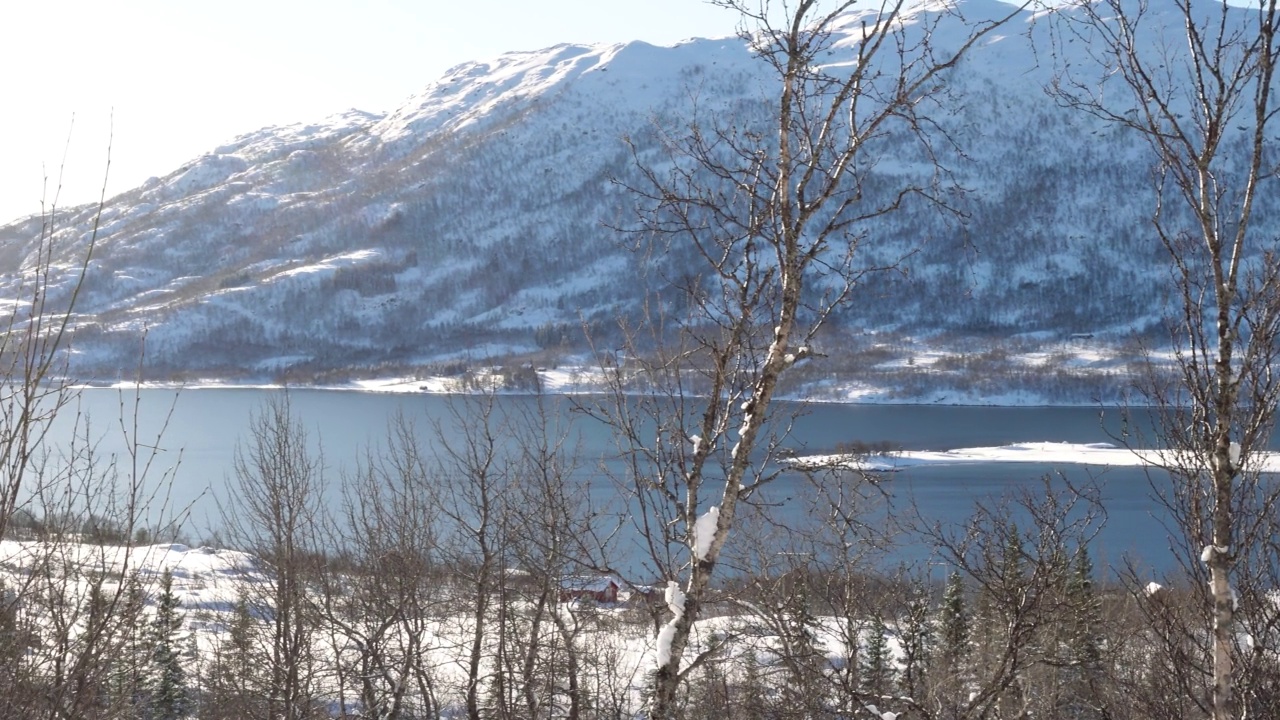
1045 453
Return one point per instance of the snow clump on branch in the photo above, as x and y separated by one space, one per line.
675 598
704 532
1206 555
675 601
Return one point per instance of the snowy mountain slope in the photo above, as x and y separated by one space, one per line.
477 215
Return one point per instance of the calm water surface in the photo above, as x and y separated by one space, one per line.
206 425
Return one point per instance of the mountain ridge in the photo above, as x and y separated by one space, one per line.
472 222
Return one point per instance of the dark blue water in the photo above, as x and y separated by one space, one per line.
204 427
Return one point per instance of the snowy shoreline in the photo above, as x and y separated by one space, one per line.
576 382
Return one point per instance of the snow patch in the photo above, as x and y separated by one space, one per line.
1209 551
665 636
1104 454
675 598
675 601
704 532
886 715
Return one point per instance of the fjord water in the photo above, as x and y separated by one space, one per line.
205 426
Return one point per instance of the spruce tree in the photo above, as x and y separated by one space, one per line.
1082 651
953 621
12 644
950 673
917 645
169 695
800 658
877 667
1012 565
1085 609
1013 582
235 688
130 652
751 700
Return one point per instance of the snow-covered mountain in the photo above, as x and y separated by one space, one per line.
474 221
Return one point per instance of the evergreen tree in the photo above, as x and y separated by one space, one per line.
129 666
1085 609
16 638
998 602
235 689
751 700
917 645
196 683
999 598
877 666
1013 584
99 692
952 668
12 643
953 621
799 655
1012 564
1081 650
169 695
709 691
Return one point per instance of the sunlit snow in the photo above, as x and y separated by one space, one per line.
1048 453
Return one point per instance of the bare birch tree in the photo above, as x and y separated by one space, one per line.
34 358
275 511
381 593
1194 80
774 215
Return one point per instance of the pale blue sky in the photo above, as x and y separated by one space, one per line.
184 77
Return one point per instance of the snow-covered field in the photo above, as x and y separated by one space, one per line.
209 583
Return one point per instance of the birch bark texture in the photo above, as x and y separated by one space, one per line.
775 216
1195 80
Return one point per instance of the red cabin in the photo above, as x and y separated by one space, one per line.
603 589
